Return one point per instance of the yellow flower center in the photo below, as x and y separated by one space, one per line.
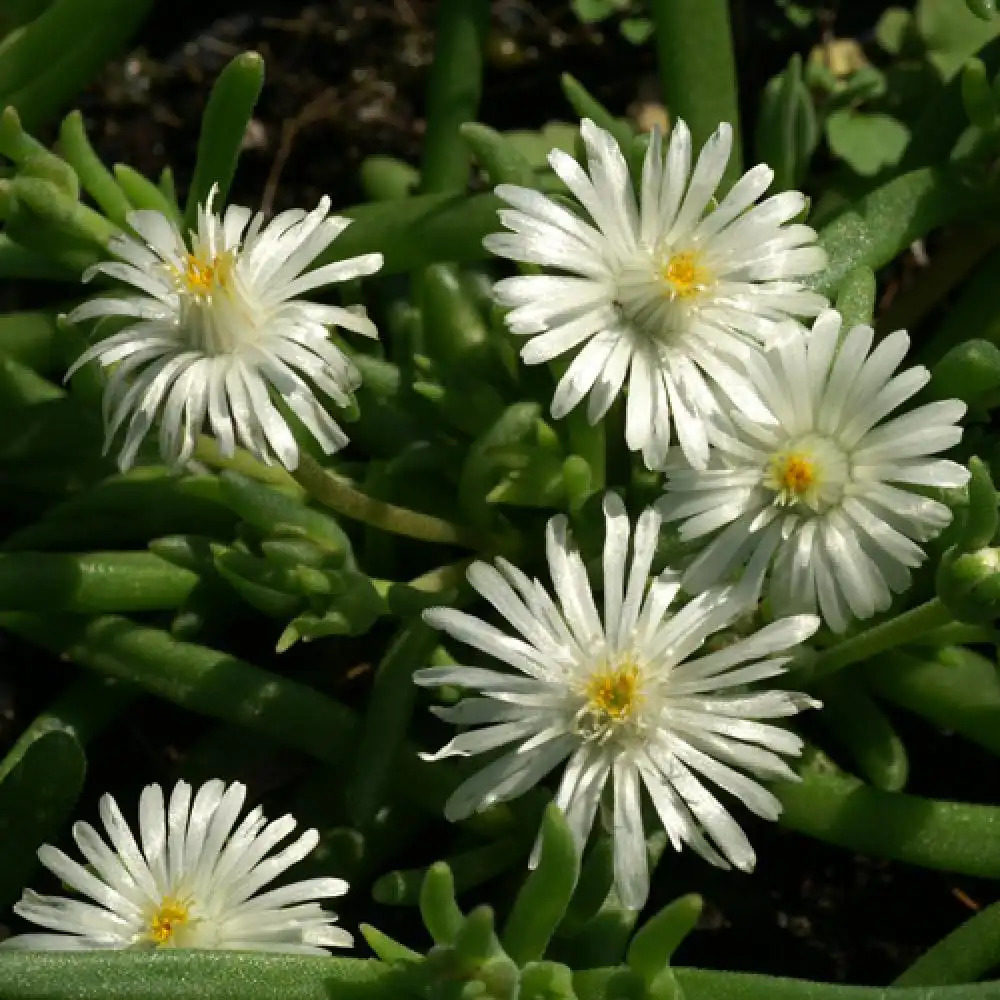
168 918
685 275
796 473
613 693
794 476
202 277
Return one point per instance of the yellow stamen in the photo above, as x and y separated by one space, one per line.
794 476
203 277
613 693
797 473
171 914
199 275
685 275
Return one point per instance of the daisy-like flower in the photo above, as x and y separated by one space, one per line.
821 498
192 880
668 292
634 701
216 322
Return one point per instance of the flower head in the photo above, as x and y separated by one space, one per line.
633 700
822 496
667 292
192 880
215 323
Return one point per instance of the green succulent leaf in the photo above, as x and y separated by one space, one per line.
952 33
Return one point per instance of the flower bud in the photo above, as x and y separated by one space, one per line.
968 584
546 981
981 517
276 513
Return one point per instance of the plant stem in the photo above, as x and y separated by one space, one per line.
895 632
442 578
697 68
207 451
341 497
960 634
454 91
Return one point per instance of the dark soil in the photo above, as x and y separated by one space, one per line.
345 80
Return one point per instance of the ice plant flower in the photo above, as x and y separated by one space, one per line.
216 324
669 292
819 501
633 701
192 880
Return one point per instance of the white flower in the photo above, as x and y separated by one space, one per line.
193 880
216 324
670 293
622 700
818 495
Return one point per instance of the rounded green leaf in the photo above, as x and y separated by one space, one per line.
866 142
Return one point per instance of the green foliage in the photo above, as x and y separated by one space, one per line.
51 50
965 955
634 27
838 808
40 780
856 298
202 588
453 92
952 32
223 126
986 10
546 893
868 143
857 723
787 131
